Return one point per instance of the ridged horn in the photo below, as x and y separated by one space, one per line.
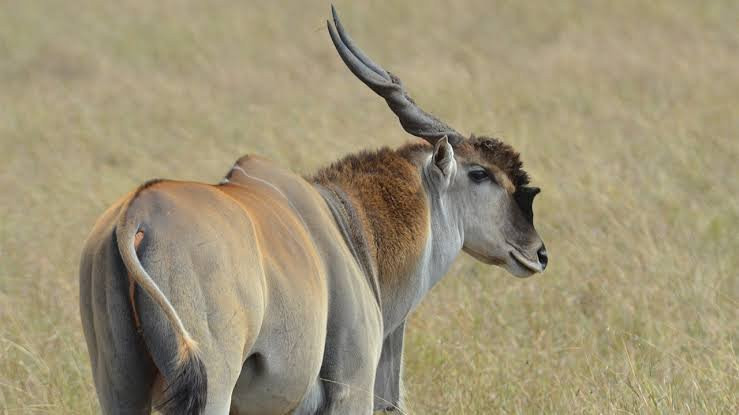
413 119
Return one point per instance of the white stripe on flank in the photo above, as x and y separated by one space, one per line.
289 202
241 169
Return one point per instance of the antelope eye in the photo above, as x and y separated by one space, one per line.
478 176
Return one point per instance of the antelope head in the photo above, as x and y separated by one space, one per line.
478 181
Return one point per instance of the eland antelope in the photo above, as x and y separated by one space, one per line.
271 293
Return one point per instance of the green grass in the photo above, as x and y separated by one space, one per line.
626 113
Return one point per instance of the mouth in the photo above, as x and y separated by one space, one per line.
483 258
518 265
524 263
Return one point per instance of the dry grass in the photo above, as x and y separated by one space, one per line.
626 113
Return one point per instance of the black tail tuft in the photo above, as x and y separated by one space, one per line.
187 391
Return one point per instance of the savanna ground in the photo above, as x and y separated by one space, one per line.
626 113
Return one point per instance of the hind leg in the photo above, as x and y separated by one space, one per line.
123 386
222 377
121 367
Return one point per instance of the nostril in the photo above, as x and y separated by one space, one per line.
543 258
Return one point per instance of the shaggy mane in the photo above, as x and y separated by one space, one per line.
385 188
372 162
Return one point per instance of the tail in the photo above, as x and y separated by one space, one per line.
187 389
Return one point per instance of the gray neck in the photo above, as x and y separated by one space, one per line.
443 245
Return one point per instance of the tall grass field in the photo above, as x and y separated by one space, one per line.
626 114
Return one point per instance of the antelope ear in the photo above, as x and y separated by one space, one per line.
443 157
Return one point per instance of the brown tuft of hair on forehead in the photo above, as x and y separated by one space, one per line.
499 154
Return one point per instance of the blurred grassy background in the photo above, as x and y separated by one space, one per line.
626 114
